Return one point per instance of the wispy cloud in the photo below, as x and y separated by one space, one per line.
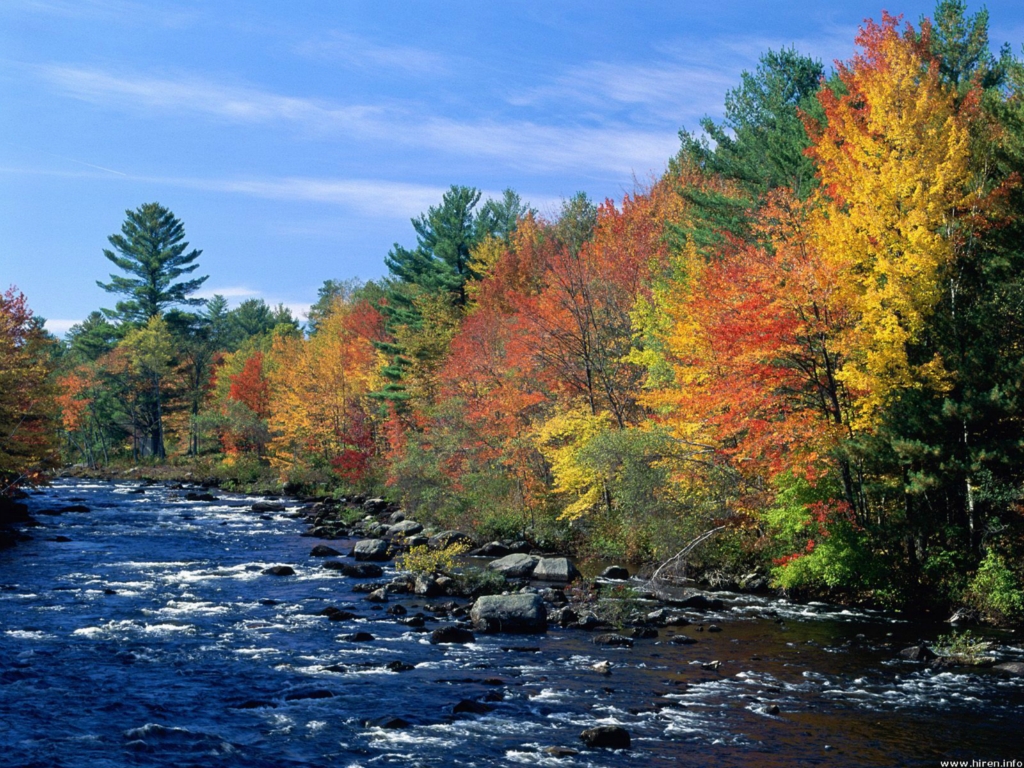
370 198
164 14
359 53
608 146
202 96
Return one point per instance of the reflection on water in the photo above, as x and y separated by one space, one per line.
152 638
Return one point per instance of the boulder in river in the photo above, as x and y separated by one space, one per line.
358 637
268 506
1014 668
615 572
355 570
558 569
322 550
371 549
613 639
606 736
515 566
445 635
919 652
519 613
279 570
469 706
387 723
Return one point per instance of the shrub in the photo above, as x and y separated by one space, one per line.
425 560
996 591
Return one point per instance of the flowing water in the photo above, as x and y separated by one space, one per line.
150 637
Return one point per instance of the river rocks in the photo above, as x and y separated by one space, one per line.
614 640
358 637
193 496
355 570
446 539
607 737
699 603
561 751
387 723
1014 668
405 528
375 506
279 570
371 549
515 566
521 613
426 586
336 614
445 635
267 506
682 640
80 508
469 706
399 666
615 572
322 550
920 652
643 633
378 596
396 517
491 549
558 569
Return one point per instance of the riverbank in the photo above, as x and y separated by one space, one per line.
213 633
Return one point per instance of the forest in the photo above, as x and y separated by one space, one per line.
808 331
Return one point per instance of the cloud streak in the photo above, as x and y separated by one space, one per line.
358 53
605 147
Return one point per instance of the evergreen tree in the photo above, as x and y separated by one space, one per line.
152 250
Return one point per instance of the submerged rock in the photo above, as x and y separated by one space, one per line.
920 652
613 639
279 570
521 613
606 736
469 706
322 550
445 635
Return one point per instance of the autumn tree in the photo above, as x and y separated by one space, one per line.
26 395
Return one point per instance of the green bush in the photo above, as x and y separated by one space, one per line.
996 591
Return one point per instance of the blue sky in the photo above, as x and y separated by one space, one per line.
295 140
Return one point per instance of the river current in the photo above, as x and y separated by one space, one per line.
142 632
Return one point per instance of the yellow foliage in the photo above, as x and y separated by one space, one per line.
423 559
894 162
560 439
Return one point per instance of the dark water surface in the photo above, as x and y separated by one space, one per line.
138 641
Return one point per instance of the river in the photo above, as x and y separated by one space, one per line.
142 632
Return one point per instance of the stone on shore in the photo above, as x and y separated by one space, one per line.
405 528
615 572
371 549
446 539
